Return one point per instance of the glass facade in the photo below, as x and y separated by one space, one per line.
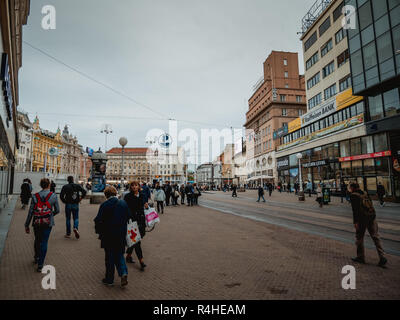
374 44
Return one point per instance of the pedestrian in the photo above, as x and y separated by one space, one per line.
196 194
270 188
189 194
320 199
182 192
146 193
343 189
296 188
175 195
381 194
364 218
159 197
136 204
26 193
260 193
44 206
111 226
168 191
52 186
234 191
289 188
280 187
72 194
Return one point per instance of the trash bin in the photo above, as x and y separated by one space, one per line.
326 195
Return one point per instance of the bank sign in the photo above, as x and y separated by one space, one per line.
6 86
321 112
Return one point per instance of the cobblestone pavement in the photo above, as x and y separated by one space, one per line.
196 253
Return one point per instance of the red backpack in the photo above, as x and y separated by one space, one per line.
42 211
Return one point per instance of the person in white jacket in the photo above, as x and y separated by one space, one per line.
159 197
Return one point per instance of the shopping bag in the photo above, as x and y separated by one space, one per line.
151 217
133 234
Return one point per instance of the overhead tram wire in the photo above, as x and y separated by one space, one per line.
83 74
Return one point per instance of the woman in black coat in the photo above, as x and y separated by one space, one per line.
111 226
136 204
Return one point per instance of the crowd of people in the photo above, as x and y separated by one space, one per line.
113 216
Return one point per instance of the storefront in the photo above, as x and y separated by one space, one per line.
367 160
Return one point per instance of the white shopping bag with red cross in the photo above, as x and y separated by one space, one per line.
133 234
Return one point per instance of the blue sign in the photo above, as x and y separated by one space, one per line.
165 140
89 151
294 172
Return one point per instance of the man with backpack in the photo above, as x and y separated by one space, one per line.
72 194
364 218
44 206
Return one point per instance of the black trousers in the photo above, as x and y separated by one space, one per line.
138 250
167 196
182 198
160 205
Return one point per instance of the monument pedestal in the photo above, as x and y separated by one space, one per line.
97 198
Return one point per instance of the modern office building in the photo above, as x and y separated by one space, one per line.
278 98
374 49
333 129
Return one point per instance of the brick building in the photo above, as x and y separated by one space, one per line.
279 98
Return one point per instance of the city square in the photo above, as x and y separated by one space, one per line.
175 151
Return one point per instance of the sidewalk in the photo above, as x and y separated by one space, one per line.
196 253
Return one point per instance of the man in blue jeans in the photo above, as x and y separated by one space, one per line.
42 223
72 194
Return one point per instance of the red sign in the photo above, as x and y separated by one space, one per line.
367 156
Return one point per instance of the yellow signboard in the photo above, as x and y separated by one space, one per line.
346 99
294 125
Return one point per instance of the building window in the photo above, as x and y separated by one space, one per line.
324 26
286 74
298 98
338 11
343 58
283 98
345 83
328 69
310 41
301 112
326 48
340 35
313 60
285 62
375 107
314 101
284 112
313 81
391 102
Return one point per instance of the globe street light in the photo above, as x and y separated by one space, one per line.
123 142
301 192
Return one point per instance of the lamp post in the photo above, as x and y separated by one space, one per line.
106 129
85 155
301 192
123 142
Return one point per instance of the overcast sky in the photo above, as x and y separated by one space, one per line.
194 60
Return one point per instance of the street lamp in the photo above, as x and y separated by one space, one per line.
85 155
123 142
107 130
301 192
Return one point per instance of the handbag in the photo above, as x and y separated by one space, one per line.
133 234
